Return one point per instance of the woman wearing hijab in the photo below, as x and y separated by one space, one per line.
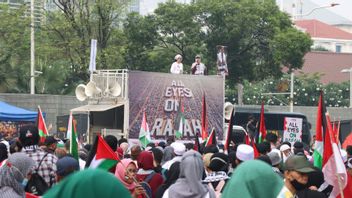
168 154
157 156
14 173
146 172
253 178
124 146
89 183
190 182
171 177
126 171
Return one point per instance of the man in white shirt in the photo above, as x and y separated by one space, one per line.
177 66
198 68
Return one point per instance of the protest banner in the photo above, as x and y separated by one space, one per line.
159 94
292 129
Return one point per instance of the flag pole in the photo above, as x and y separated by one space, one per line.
340 185
332 142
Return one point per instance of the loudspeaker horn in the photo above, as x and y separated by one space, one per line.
92 89
80 92
115 89
228 107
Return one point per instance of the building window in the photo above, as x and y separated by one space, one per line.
338 48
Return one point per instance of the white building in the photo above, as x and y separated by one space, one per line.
326 36
39 6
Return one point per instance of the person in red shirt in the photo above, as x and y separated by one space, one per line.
145 165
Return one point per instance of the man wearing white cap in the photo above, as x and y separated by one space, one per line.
244 152
179 150
177 66
285 151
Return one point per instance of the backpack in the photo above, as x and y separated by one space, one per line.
36 184
146 186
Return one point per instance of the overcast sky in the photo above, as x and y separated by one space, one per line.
344 9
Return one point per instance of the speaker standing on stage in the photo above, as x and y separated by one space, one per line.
177 66
198 68
222 62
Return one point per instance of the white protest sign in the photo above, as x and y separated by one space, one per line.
293 129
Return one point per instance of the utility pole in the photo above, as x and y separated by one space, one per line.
32 81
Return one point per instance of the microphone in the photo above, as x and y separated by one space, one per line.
127 177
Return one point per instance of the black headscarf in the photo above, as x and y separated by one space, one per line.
171 177
3 152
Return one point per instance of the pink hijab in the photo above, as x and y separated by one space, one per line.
120 173
124 147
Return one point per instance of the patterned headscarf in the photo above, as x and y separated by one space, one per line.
15 170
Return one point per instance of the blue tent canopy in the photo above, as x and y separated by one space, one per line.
12 113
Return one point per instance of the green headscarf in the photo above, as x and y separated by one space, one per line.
89 183
253 178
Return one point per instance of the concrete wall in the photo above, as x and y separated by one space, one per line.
52 105
57 105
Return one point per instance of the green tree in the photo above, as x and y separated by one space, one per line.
78 22
256 34
14 50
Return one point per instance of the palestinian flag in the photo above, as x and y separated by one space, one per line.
72 136
204 119
229 133
101 156
321 129
144 134
196 146
256 152
43 131
262 128
334 169
211 139
180 121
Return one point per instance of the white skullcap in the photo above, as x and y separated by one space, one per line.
178 56
179 148
284 147
274 158
244 152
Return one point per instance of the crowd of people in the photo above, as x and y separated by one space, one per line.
162 169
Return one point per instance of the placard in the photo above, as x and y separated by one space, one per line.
292 129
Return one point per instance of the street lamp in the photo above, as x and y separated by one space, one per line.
294 16
349 71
